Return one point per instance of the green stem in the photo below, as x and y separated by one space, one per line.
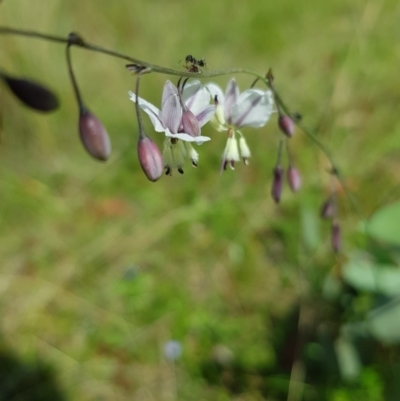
72 77
155 68
32 34
142 133
279 160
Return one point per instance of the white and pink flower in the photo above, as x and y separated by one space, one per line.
236 110
180 118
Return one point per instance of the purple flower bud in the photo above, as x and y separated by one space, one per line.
32 94
328 208
286 125
336 237
94 136
277 182
150 158
190 124
294 179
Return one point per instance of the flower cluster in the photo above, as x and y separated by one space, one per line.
185 109
183 112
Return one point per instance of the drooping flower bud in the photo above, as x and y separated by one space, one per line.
277 183
294 179
191 153
328 208
190 124
286 125
150 158
231 153
336 236
94 136
32 94
244 150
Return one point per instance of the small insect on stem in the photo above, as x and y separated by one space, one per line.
189 60
201 63
192 64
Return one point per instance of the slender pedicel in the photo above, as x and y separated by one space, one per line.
93 135
150 157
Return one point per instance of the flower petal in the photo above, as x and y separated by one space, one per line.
215 90
169 90
187 138
171 113
190 89
205 116
231 152
196 97
151 111
252 109
190 125
191 153
231 97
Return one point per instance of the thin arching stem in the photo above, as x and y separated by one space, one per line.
180 92
32 34
289 153
280 149
99 49
254 82
73 79
142 133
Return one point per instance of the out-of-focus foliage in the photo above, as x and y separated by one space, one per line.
383 224
100 268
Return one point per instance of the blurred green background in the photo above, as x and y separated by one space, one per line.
101 268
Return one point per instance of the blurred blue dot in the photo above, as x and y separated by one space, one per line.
172 350
131 273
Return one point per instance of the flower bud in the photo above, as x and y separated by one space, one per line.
286 125
32 94
328 209
191 153
336 237
244 150
277 182
231 153
150 158
294 179
190 124
94 136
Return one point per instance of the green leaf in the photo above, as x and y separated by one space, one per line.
384 224
348 359
365 275
310 229
384 323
